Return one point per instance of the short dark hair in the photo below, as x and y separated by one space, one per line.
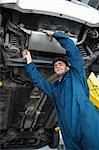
63 59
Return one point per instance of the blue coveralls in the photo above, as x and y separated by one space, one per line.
77 116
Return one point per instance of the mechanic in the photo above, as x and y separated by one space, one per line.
77 116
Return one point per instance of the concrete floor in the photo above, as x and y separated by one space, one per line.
43 148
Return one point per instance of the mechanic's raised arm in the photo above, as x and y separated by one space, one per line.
35 76
72 51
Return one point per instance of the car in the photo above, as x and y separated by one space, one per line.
27 116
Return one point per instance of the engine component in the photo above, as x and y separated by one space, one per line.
12 45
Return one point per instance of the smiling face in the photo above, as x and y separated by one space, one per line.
60 68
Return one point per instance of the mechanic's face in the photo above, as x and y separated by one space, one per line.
60 68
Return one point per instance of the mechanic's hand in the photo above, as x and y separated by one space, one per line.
48 32
27 56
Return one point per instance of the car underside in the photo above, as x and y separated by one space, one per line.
27 117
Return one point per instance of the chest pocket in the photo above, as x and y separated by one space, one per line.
60 92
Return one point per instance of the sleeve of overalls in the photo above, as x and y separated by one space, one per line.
72 51
75 59
38 80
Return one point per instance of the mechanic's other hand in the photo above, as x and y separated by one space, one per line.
27 56
48 32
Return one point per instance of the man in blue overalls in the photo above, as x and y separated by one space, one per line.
77 117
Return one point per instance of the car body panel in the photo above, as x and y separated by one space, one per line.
60 8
